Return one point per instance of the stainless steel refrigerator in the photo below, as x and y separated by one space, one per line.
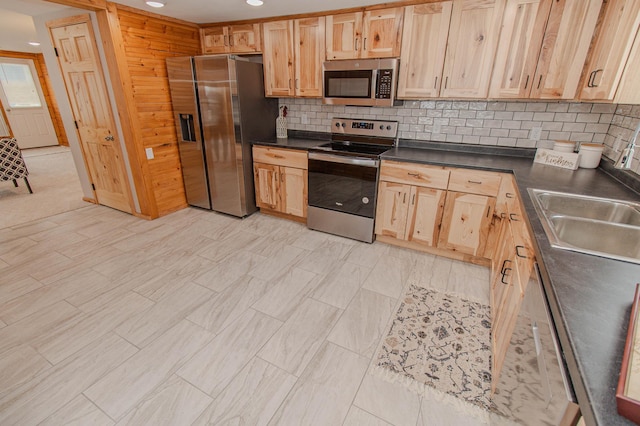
219 108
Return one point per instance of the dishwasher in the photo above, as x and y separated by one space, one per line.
534 386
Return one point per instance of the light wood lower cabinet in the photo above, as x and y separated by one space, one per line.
280 178
511 269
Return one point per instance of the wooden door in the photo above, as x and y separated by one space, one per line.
308 40
80 64
466 222
473 38
392 208
215 39
244 38
425 215
564 48
424 43
266 177
521 37
293 191
25 105
382 33
278 58
611 50
344 35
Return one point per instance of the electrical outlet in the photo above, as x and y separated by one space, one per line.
535 133
304 118
436 128
149 152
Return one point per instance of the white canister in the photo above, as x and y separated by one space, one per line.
564 146
590 154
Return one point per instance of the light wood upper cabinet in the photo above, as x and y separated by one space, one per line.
278 58
629 87
521 38
382 33
473 38
372 34
232 39
564 48
309 53
424 43
611 50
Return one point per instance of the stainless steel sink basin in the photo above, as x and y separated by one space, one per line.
599 226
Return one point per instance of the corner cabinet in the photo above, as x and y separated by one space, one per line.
231 39
280 179
293 54
370 34
611 50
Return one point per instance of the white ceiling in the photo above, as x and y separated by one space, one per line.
17 28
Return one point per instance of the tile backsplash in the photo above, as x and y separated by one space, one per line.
623 124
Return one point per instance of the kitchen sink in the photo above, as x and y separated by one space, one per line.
599 226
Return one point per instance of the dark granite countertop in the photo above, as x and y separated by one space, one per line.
590 297
303 142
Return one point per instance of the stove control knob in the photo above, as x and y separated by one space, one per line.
388 127
343 125
337 124
381 127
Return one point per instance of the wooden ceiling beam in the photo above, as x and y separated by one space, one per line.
94 5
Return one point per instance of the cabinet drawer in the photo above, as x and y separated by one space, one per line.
414 174
280 157
475 182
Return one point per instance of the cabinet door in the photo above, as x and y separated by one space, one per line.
424 43
382 33
473 38
278 58
293 191
466 222
244 38
215 39
343 35
266 177
521 37
564 48
392 207
629 87
425 215
308 40
611 50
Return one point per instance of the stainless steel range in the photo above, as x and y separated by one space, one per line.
343 177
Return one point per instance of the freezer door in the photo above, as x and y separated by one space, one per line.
190 142
216 88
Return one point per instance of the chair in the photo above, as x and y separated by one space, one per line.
12 166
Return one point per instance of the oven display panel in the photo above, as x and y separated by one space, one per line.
362 125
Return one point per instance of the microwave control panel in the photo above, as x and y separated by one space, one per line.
383 85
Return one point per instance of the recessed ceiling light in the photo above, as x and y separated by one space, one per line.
34 43
155 3
255 2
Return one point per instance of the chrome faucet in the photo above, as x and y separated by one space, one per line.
624 162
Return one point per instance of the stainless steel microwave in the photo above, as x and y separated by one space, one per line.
367 82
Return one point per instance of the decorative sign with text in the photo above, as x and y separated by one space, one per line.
566 160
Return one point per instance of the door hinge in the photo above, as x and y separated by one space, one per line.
76 123
55 49
93 187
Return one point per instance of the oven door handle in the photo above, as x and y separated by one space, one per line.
356 161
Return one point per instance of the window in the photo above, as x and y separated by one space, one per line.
19 87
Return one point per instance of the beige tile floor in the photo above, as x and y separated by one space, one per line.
199 318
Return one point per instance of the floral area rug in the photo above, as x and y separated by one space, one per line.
439 342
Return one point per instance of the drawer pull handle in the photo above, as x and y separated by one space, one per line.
503 215
504 275
509 195
413 200
513 217
488 210
404 198
415 175
475 182
518 251
504 266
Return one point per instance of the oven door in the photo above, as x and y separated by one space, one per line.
343 183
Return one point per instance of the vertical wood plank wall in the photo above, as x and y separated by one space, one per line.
43 76
147 42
